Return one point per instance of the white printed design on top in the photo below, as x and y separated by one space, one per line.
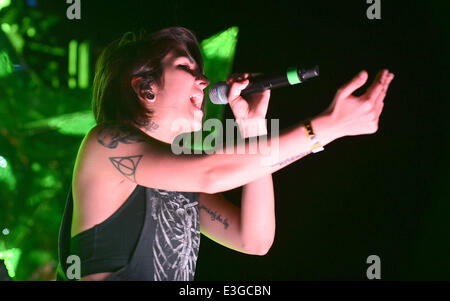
177 235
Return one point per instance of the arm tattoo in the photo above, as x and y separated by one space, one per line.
214 216
126 165
289 160
111 136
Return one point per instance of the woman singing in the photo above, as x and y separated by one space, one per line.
135 210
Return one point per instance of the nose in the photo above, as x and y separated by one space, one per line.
203 81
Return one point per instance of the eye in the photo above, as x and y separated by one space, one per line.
186 67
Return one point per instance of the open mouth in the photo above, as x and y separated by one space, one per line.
196 101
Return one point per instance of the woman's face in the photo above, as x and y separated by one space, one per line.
182 79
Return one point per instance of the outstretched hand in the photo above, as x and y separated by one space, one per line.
359 115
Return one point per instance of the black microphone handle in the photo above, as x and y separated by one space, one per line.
264 82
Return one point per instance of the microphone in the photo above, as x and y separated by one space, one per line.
218 93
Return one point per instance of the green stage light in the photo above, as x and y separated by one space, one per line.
3 162
4 3
57 51
219 51
72 83
31 32
36 167
72 68
6 174
11 258
83 65
78 123
6 27
55 82
14 36
6 66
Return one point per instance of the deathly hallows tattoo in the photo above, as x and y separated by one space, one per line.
111 136
127 165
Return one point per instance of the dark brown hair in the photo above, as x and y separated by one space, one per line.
135 54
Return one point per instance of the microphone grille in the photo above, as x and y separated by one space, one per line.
218 93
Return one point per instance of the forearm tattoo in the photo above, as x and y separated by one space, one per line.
291 159
111 136
127 165
214 216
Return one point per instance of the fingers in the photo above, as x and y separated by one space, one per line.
255 74
377 85
353 85
379 101
238 77
238 82
235 90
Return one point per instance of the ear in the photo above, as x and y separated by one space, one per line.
142 89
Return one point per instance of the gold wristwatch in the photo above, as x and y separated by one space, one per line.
315 144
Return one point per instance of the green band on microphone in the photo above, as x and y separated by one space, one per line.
292 76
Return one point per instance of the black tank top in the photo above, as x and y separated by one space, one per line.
154 235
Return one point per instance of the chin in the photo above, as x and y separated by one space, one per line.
197 121
196 125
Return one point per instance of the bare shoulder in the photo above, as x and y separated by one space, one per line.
111 136
103 145
110 140
103 174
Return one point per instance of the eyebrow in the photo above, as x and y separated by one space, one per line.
185 56
190 60
181 53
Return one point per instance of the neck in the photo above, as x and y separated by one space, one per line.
160 130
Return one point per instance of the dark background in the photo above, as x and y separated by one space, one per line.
384 194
